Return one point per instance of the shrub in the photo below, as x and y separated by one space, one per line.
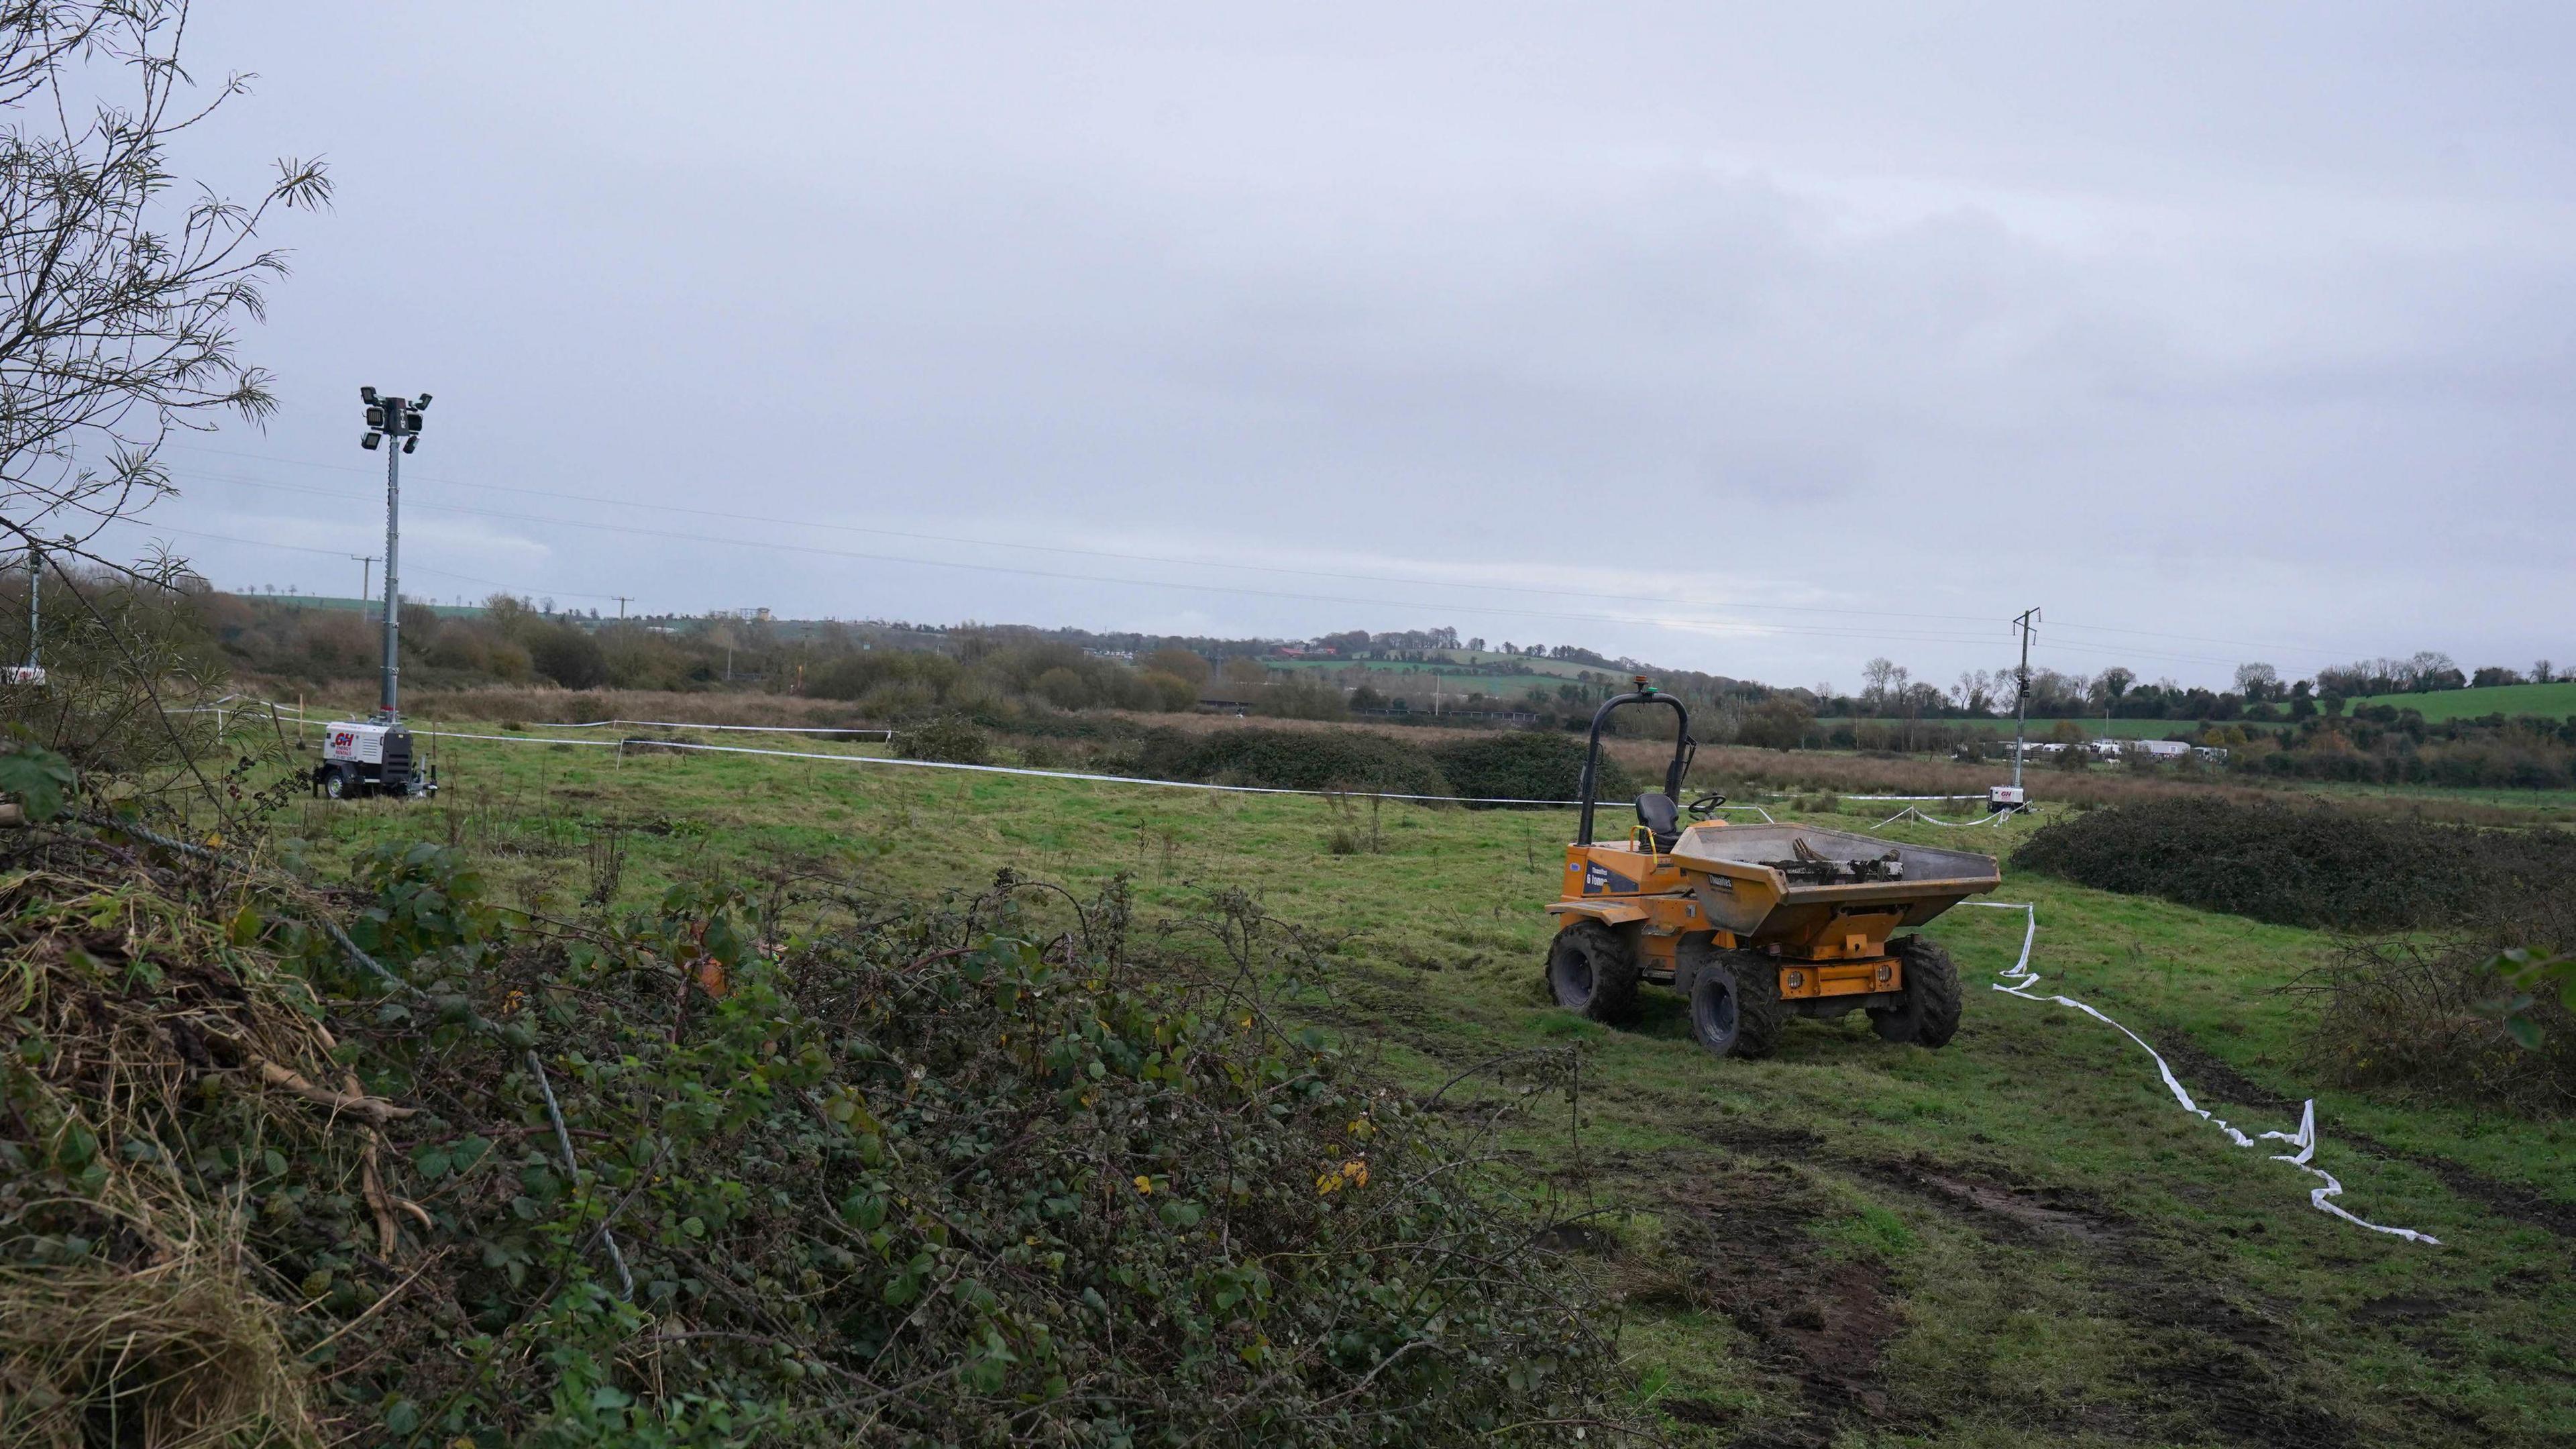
1527 765
938 1176
1290 759
1782 722
1063 688
2304 866
568 655
949 739
2419 1015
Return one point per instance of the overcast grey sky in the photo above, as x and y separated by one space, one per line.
2249 327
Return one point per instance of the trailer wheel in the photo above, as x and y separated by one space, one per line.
1590 969
335 783
1927 1014
1734 1000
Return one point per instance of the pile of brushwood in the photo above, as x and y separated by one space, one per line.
2304 865
1000 1170
2414 997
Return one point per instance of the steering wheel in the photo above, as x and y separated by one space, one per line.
1706 806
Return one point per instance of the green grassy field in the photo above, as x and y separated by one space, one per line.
2019 1240
1462 676
2549 701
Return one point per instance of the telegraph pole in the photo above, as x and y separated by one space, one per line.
621 607
2021 691
391 417
366 577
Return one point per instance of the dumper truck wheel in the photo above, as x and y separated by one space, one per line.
1591 970
1734 1000
1928 1013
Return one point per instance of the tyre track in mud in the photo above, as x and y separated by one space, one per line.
2207 1365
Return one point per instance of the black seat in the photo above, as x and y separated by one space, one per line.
1661 817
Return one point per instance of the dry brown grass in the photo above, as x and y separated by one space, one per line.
177 1354
127 1311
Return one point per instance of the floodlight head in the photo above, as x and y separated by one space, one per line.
423 402
375 417
412 443
367 395
370 440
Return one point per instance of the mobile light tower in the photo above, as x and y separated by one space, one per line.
33 671
374 756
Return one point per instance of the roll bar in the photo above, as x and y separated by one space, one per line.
1684 747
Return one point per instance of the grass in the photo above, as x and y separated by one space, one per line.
2548 701
2019 1240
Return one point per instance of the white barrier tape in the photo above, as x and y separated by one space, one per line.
293 712
2019 981
1996 818
530 740
1038 774
1969 795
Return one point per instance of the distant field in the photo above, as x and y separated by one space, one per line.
2549 701
2127 729
1408 676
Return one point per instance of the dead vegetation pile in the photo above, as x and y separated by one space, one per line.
933 1173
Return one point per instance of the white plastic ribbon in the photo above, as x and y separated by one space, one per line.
1995 818
2020 980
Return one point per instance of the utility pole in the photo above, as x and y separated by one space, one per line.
621 608
391 417
2021 692
366 577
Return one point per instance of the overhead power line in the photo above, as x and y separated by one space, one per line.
1230 565
1230 590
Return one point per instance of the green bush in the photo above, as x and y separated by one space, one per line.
1293 759
1527 765
2305 866
568 655
948 739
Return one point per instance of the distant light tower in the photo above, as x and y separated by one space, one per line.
391 417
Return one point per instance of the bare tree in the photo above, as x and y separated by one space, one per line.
2257 682
1882 679
1974 691
122 289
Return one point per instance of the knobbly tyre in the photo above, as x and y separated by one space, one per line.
370 757
1752 924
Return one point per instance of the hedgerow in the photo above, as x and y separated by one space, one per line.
1293 759
934 1174
1527 765
2304 865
